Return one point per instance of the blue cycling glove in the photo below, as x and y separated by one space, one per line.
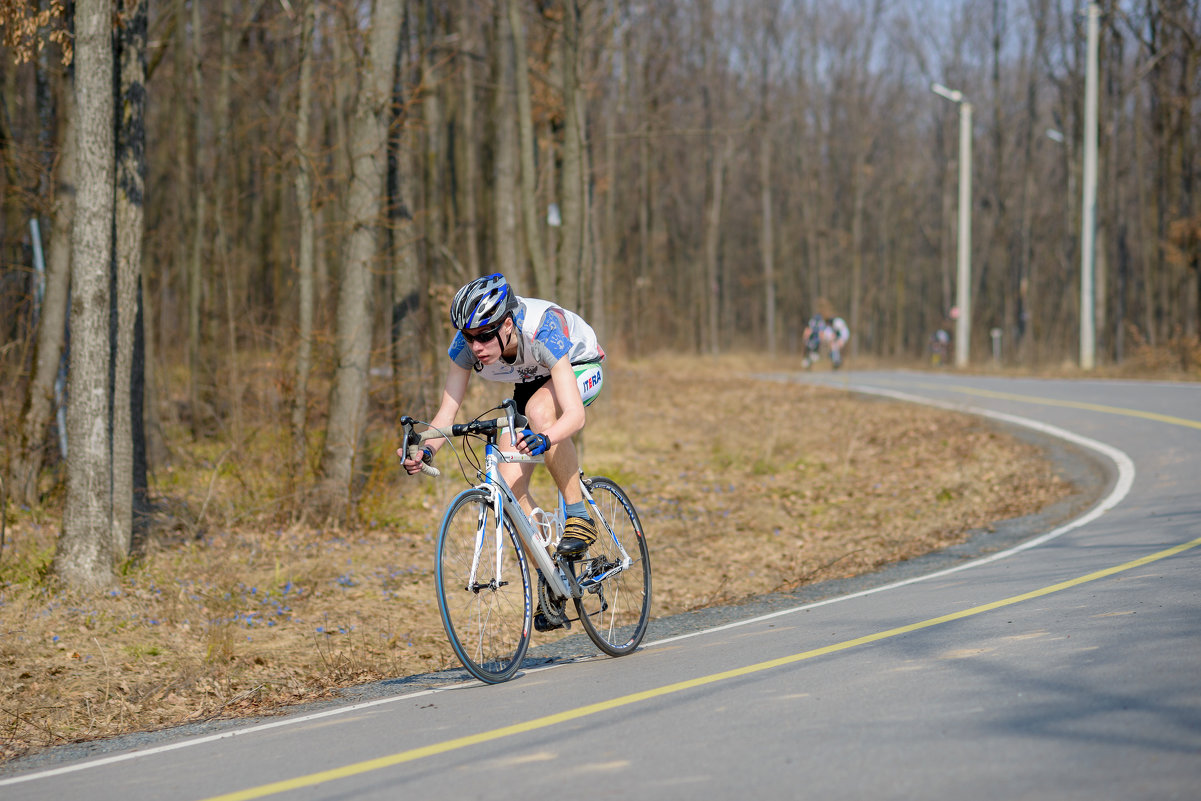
537 443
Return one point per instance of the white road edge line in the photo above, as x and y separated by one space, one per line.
1124 464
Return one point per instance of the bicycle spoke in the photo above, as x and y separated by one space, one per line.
483 589
615 606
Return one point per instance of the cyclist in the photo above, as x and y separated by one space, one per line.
836 335
813 339
940 343
554 361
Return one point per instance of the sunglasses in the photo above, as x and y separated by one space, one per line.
483 336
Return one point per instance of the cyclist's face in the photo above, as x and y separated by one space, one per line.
486 343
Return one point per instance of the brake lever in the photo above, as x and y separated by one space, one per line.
510 407
414 451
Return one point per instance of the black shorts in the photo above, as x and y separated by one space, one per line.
525 390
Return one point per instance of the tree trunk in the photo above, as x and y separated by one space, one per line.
574 205
468 33
84 558
859 182
505 242
712 289
174 283
767 238
645 243
224 166
131 173
434 162
26 464
408 288
353 335
195 255
543 279
304 266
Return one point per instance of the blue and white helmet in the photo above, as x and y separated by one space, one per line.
482 302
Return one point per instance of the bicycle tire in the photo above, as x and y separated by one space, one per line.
488 623
615 611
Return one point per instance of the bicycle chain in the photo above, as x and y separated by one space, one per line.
551 610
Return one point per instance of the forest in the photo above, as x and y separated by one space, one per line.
214 213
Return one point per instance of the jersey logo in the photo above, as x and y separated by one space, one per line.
553 333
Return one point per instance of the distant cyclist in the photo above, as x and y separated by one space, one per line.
940 343
554 362
813 339
836 335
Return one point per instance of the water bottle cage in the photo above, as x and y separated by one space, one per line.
545 528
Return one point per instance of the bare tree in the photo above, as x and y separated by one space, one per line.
26 459
409 309
129 198
435 158
573 244
505 122
195 282
364 204
469 42
308 234
84 557
768 47
535 248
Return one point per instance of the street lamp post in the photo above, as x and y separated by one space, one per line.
963 294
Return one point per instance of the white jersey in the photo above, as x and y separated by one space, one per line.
837 331
546 334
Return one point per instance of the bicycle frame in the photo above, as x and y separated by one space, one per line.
562 583
501 494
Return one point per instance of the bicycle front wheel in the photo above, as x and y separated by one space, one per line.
615 605
483 588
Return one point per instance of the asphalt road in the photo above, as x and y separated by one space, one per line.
1066 666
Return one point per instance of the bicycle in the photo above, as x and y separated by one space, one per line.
485 593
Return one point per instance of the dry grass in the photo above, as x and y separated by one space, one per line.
743 486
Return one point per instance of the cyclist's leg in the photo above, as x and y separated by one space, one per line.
542 407
542 410
517 476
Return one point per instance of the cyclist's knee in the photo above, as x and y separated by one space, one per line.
541 410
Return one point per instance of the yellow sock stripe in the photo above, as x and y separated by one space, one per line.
458 743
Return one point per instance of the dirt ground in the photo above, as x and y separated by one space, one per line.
743 487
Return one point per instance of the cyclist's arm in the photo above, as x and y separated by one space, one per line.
453 392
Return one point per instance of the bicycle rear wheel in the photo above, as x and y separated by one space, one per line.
616 604
483 589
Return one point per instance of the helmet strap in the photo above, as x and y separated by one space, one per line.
509 341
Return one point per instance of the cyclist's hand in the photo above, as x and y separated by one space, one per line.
533 444
413 466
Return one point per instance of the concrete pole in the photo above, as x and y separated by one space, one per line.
1088 217
963 288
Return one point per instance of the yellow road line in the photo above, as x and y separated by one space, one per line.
414 754
1092 407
